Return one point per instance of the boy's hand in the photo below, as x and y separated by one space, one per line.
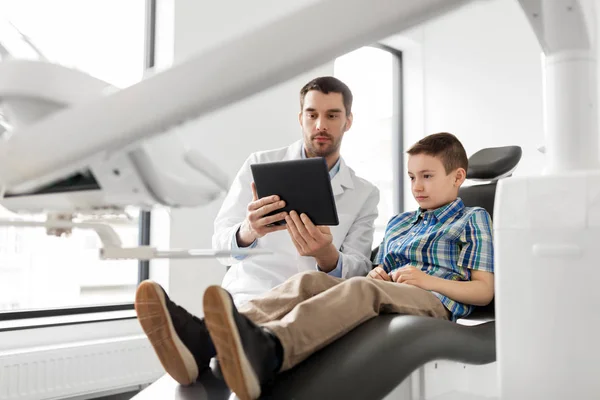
412 276
379 273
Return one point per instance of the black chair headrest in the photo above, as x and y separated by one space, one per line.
494 163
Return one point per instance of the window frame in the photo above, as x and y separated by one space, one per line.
143 237
398 133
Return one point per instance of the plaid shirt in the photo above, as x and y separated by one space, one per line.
446 242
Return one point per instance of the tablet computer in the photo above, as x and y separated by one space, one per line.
303 184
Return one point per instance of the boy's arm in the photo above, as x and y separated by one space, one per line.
477 254
479 291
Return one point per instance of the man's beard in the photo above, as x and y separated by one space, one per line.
324 150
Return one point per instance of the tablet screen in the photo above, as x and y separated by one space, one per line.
303 184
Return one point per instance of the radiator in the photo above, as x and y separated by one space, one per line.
77 369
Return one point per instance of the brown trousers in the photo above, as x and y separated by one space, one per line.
312 309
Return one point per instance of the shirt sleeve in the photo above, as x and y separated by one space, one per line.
337 271
477 251
380 254
234 246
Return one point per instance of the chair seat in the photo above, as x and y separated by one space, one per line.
367 363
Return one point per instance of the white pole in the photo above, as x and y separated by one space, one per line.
571 111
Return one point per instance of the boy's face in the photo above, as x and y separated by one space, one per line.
431 186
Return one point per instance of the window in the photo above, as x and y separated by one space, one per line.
105 38
371 148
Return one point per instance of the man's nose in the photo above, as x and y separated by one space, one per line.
321 125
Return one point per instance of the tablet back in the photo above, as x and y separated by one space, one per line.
303 184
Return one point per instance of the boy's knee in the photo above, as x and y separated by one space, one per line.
307 276
359 282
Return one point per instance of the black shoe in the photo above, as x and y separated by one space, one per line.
180 339
248 354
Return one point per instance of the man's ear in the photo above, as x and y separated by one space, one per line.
300 118
459 177
349 120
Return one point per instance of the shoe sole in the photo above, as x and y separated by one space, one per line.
236 369
152 312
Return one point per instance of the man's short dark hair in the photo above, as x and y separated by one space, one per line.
444 146
326 85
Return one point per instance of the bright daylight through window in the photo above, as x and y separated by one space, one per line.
104 38
368 146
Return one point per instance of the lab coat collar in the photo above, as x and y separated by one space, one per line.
343 179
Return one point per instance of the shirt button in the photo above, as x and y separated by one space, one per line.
425 222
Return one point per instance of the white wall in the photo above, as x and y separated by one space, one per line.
478 75
266 120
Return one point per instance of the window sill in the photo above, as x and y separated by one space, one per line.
61 330
62 320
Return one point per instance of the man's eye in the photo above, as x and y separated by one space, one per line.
332 116
427 176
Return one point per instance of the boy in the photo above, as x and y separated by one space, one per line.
436 261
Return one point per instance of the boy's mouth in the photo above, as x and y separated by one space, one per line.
420 197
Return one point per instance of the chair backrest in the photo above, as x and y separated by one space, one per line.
490 165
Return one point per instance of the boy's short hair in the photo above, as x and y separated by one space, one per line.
446 147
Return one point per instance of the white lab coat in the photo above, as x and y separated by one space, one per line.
356 202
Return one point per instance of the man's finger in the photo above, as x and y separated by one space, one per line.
300 226
274 218
291 225
325 230
311 229
255 205
254 194
298 248
266 209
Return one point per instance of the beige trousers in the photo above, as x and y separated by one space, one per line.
312 309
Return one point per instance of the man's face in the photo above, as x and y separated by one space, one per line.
431 186
324 122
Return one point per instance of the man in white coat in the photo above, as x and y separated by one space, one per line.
342 250
181 339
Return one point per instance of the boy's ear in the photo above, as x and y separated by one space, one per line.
459 177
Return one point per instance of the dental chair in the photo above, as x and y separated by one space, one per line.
373 359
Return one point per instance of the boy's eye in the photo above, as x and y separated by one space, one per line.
412 178
427 176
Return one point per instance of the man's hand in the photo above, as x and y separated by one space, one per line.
311 240
379 273
256 225
413 276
